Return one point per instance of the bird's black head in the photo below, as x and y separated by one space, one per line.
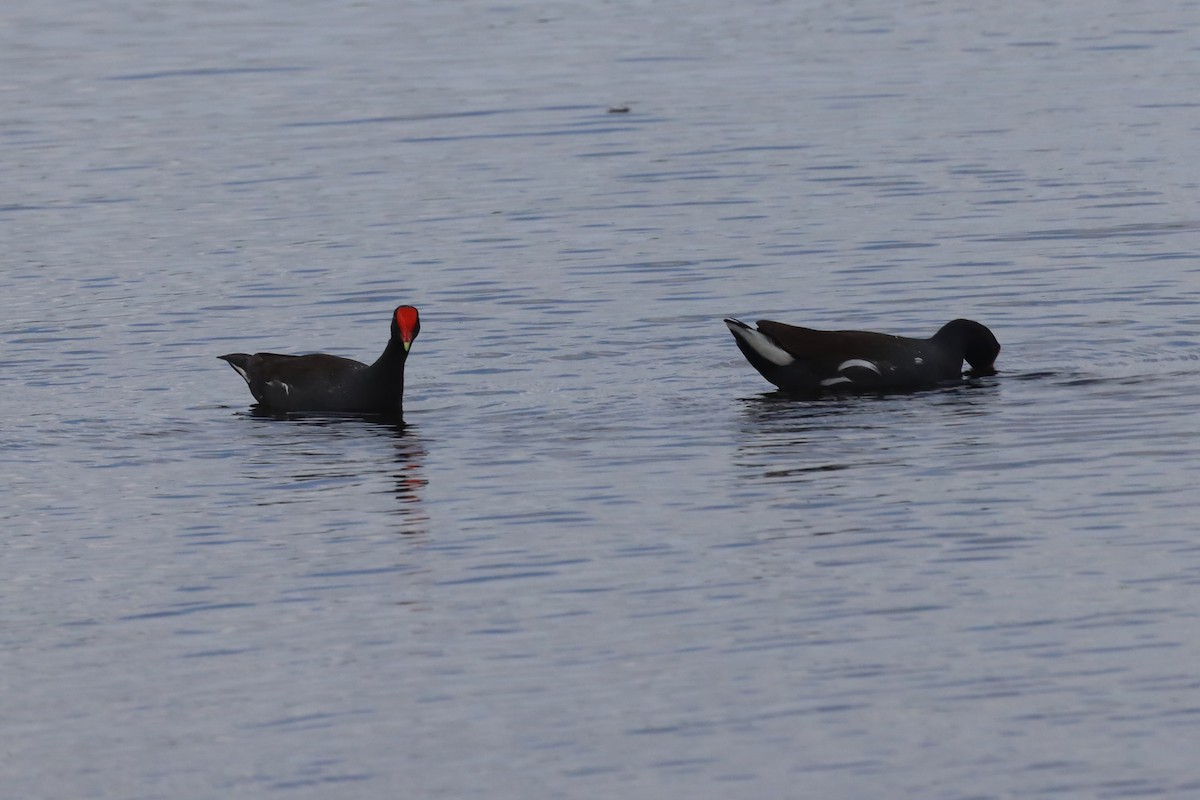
978 344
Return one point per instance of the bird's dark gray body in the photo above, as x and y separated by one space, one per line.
804 360
323 383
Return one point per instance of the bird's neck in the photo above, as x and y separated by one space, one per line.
388 373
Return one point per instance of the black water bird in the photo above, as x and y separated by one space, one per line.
806 361
324 383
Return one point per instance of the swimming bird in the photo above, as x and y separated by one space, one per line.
807 361
321 382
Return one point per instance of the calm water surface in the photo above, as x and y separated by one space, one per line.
603 559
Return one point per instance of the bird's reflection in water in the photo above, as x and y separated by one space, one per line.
797 439
335 451
410 479
783 437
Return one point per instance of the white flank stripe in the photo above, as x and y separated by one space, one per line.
835 381
858 362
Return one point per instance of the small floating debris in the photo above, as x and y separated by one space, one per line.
618 109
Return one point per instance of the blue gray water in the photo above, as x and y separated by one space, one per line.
603 559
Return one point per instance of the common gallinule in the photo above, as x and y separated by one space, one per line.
807 361
320 382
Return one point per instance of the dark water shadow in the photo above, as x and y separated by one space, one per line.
260 412
795 438
971 380
832 402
